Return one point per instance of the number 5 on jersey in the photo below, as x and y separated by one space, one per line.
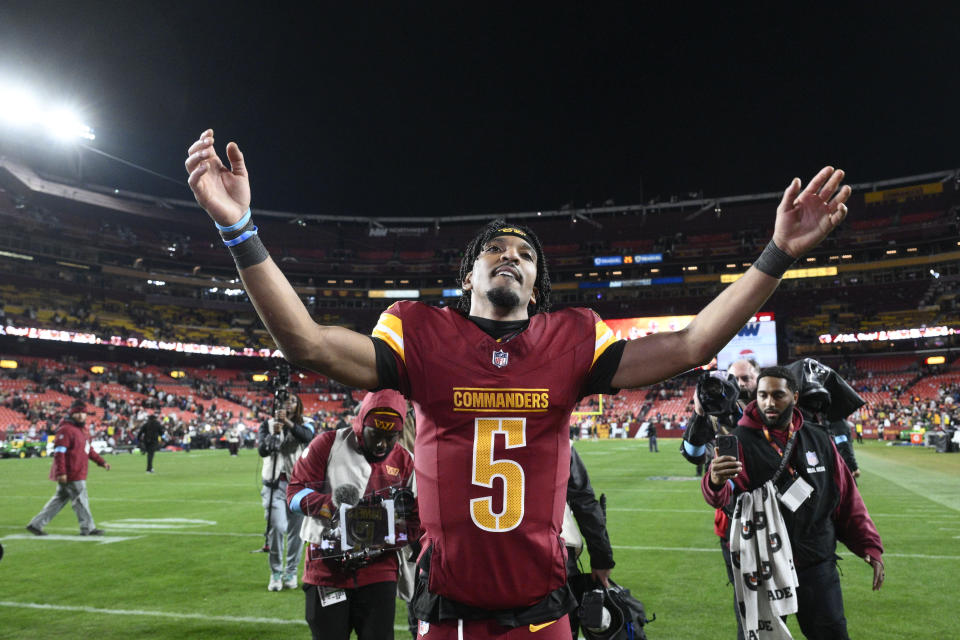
486 468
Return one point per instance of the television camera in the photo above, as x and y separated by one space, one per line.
717 393
364 529
280 383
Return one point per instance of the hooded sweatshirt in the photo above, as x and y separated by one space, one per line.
71 452
835 510
333 469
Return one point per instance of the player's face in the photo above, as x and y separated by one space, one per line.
503 274
379 443
775 402
746 377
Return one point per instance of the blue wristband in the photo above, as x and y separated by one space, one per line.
237 225
240 238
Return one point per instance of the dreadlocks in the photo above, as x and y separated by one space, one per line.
500 227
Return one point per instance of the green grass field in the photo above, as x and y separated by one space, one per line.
176 560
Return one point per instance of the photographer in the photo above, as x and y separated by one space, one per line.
354 587
280 442
697 445
826 400
585 522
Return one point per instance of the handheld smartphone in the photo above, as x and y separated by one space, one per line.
727 446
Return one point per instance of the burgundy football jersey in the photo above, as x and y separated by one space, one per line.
492 451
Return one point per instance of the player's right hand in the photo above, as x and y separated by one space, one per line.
223 193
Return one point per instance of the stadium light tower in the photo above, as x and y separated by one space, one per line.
21 109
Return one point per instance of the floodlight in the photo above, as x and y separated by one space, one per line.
17 106
63 124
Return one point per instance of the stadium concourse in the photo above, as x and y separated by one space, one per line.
102 297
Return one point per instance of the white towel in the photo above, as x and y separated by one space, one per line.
763 576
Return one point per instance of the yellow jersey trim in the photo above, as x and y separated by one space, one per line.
605 338
390 329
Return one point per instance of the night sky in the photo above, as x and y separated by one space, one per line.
398 108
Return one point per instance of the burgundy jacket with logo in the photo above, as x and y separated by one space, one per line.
71 450
332 460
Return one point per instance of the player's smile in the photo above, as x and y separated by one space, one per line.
508 271
503 276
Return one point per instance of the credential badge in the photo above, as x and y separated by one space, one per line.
500 359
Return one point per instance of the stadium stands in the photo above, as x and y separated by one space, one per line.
131 269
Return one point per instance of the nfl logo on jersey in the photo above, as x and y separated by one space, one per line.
812 459
500 359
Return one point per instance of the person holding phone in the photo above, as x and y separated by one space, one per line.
772 436
698 444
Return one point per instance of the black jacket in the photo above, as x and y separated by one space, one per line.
840 431
703 430
150 433
589 514
300 434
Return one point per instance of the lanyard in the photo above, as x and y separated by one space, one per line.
784 454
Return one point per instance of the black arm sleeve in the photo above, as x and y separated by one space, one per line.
388 376
589 514
603 370
840 432
301 433
700 430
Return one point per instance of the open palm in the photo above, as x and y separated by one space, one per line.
223 193
805 217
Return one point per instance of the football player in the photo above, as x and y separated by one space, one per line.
493 384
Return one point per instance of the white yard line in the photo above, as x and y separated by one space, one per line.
158 614
142 612
919 556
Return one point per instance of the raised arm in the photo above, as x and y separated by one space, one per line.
804 218
224 193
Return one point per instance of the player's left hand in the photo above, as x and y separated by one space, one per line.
805 217
602 576
878 571
106 465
